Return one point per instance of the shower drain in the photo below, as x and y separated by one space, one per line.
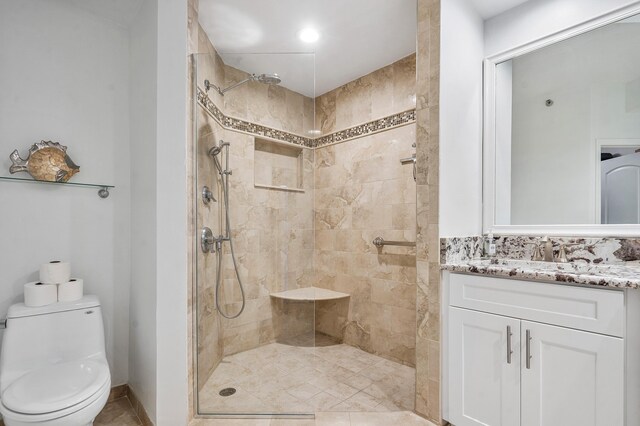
227 391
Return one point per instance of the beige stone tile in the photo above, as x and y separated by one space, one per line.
357 381
321 381
361 401
292 422
386 419
342 391
304 391
404 83
332 419
323 401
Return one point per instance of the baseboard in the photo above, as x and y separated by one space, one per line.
138 407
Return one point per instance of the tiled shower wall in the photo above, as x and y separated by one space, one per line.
273 239
428 241
383 92
272 229
363 191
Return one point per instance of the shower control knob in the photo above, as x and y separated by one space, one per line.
207 195
207 241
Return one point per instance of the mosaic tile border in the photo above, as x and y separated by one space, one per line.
247 126
375 126
361 130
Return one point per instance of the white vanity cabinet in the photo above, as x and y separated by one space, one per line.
484 383
573 377
537 354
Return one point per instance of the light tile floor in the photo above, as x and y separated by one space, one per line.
403 418
279 378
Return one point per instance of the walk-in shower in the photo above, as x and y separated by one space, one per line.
271 79
299 312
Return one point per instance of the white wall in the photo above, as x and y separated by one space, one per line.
539 18
143 103
64 75
171 226
461 56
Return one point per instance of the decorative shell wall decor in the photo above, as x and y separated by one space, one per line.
47 161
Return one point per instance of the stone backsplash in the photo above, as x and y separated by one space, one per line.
598 250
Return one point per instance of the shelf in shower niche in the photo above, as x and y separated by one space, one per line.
103 190
280 188
310 294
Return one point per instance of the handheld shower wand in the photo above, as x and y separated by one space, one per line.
224 177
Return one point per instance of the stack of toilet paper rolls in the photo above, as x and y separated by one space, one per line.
55 285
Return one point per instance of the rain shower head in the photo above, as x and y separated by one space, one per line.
268 78
271 79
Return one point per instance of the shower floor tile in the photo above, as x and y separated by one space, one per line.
282 378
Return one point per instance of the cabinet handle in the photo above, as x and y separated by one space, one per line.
509 351
528 344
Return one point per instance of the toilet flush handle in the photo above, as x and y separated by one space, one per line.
3 323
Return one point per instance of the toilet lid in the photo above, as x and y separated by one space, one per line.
55 387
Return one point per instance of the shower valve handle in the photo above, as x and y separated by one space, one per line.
207 240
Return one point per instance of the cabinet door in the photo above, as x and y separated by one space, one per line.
484 380
573 378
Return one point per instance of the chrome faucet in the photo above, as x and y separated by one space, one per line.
543 250
537 254
547 248
562 253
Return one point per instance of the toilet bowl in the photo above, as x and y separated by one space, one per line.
53 368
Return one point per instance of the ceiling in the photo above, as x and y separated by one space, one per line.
356 38
490 8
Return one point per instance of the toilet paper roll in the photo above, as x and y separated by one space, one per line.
40 294
70 291
55 272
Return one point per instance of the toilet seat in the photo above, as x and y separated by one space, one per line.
57 388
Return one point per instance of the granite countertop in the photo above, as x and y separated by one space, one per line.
624 275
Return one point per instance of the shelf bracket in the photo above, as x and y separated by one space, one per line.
103 192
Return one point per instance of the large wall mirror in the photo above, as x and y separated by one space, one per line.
562 133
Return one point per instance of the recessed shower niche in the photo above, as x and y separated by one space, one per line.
277 165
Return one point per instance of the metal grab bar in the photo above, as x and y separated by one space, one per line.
380 242
410 160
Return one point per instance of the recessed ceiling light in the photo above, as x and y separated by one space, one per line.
309 35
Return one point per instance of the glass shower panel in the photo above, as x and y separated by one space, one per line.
254 230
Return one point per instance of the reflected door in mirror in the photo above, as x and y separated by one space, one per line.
621 189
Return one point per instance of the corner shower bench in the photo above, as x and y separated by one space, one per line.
309 294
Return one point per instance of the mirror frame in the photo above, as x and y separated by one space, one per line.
489 138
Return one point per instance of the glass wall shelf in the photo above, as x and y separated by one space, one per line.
103 190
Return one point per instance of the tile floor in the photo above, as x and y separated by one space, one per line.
280 378
117 413
394 418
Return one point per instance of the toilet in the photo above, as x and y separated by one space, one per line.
53 367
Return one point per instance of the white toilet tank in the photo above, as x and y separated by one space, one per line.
60 332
